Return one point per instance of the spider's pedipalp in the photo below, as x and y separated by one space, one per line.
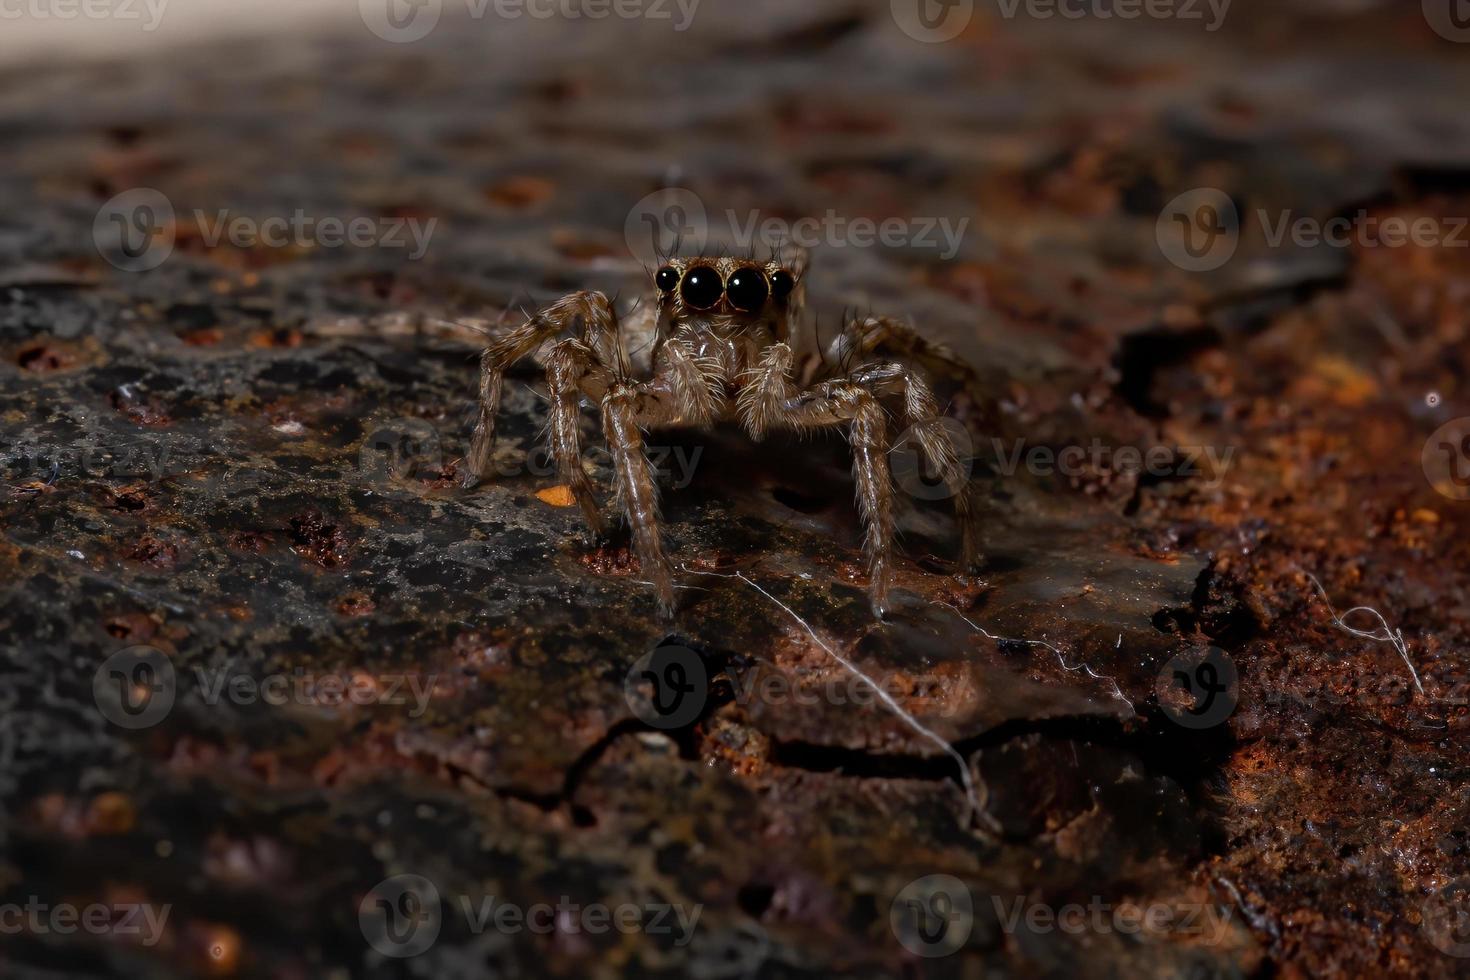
695 386
766 389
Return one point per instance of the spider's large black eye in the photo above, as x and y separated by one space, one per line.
702 287
747 290
667 278
782 283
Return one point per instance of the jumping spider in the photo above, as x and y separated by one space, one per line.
715 343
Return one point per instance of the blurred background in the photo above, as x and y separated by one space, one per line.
37 32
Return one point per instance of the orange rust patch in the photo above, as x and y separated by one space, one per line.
558 496
521 192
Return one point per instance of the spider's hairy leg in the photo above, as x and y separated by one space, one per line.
599 321
831 404
770 400
888 337
869 439
926 424
636 491
569 363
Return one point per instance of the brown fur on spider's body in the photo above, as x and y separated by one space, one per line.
717 344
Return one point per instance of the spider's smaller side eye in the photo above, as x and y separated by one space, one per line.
667 278
782 283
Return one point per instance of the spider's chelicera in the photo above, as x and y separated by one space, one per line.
716 343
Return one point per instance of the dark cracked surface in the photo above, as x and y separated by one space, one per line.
243 463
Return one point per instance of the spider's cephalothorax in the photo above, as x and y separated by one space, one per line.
715 344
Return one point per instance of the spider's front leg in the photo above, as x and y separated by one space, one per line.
886 337
921 415
686 390
570 367
599 332
770 400
622 407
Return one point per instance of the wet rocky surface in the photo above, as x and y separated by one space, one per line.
240 468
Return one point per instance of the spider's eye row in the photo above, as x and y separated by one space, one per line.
702 288
747 290
782 283
667 278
